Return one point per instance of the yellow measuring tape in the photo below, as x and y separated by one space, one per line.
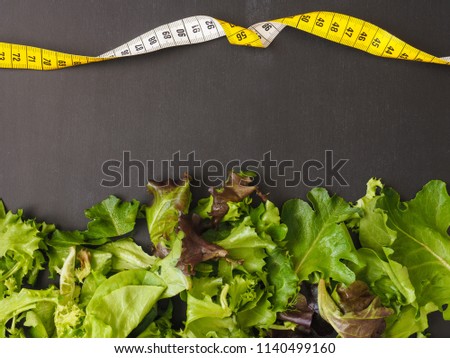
343 29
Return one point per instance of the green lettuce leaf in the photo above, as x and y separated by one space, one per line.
121 302
418 226
127 255
205 307
409 321
258 314
242 291
166 268
2 210
111 218
374 232
206 318
317 237
282 279
67 283
266 219
68 315
19 302
386 278
421 225
40 321
90 285
243 243
74 238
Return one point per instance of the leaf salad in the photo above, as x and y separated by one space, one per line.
232 265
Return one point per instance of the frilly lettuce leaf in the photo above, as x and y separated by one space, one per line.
228 309
170 199
208 314
243 243
68 320
21 250
280 271
206 308
258 314
235 190
17 235
235 209
231 304
255 280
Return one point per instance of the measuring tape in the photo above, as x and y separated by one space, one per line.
343 29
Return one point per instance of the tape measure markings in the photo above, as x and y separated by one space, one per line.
364 29
199 29
339 28
264 30
241 36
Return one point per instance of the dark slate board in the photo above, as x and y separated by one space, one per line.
298 98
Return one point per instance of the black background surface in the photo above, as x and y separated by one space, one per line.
298 98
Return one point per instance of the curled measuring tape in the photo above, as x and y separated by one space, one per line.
343 29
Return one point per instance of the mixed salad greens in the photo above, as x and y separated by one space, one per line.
232 266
